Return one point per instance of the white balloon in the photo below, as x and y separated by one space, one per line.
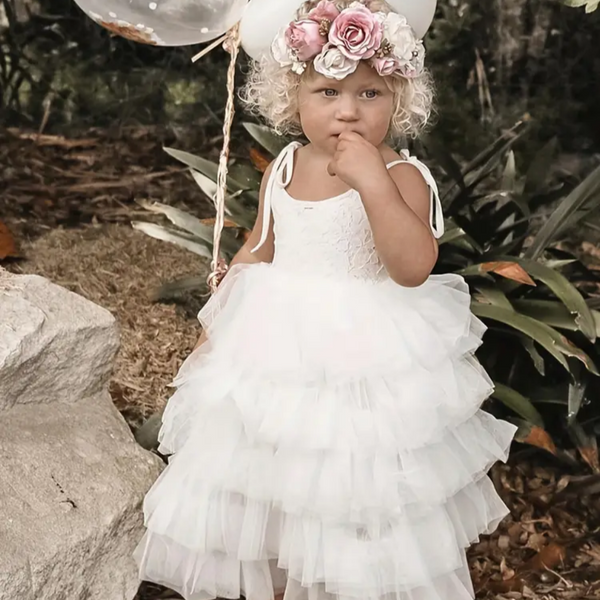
165 22
419 13
262 19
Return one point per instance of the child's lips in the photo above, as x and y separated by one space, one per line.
337 135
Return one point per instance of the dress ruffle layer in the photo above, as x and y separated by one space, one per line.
332 431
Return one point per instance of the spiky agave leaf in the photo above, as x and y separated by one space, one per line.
585 196
518 404
180 238
557 282
270 141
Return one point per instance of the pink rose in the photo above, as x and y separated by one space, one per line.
304 38
386 65
324 10
357 32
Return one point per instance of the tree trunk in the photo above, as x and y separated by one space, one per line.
521 31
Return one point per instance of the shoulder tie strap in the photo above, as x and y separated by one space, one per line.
436 214
281 174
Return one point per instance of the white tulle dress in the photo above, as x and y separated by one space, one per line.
328 438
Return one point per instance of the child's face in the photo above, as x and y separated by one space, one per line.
361 102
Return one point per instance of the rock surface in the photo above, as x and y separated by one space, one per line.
72 478
55 346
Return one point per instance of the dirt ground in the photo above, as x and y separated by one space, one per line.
120 268
79 236
68 206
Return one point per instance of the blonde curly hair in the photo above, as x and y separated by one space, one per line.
271 91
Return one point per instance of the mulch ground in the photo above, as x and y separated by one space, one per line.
65 212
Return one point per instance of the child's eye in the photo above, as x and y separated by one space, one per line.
371 93
329 92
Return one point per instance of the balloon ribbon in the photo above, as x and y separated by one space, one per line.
210 48
218 264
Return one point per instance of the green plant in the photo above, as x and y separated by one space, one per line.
540 345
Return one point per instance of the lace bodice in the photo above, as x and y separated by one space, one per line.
331 237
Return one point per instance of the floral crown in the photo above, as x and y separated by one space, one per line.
336 40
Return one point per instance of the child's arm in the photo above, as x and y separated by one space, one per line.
244 254
397 202
398 205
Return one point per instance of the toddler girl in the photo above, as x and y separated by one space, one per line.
326 434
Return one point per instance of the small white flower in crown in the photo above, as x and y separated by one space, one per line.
336 40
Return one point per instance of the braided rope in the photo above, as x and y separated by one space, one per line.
218 265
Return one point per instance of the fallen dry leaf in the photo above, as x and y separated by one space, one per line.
541 438
537 541
514 584
8 247
259 160
506 571
594 552
211 221
504 542
510 270
548 557
590 455
513 580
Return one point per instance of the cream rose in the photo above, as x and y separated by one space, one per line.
280 50
333 63
399 33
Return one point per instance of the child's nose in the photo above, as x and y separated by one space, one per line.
347 110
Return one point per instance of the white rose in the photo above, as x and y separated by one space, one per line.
280 50
333 64
415 66
399 33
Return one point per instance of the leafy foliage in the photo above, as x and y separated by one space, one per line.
540 345
496 61
492 61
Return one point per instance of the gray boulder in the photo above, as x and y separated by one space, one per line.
72 477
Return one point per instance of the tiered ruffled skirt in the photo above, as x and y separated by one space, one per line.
329 436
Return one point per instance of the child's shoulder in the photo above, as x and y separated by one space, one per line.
389 155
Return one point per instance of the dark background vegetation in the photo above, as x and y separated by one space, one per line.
494 61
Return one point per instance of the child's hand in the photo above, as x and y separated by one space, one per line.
356 161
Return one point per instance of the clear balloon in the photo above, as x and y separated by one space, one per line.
262 20
165 22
